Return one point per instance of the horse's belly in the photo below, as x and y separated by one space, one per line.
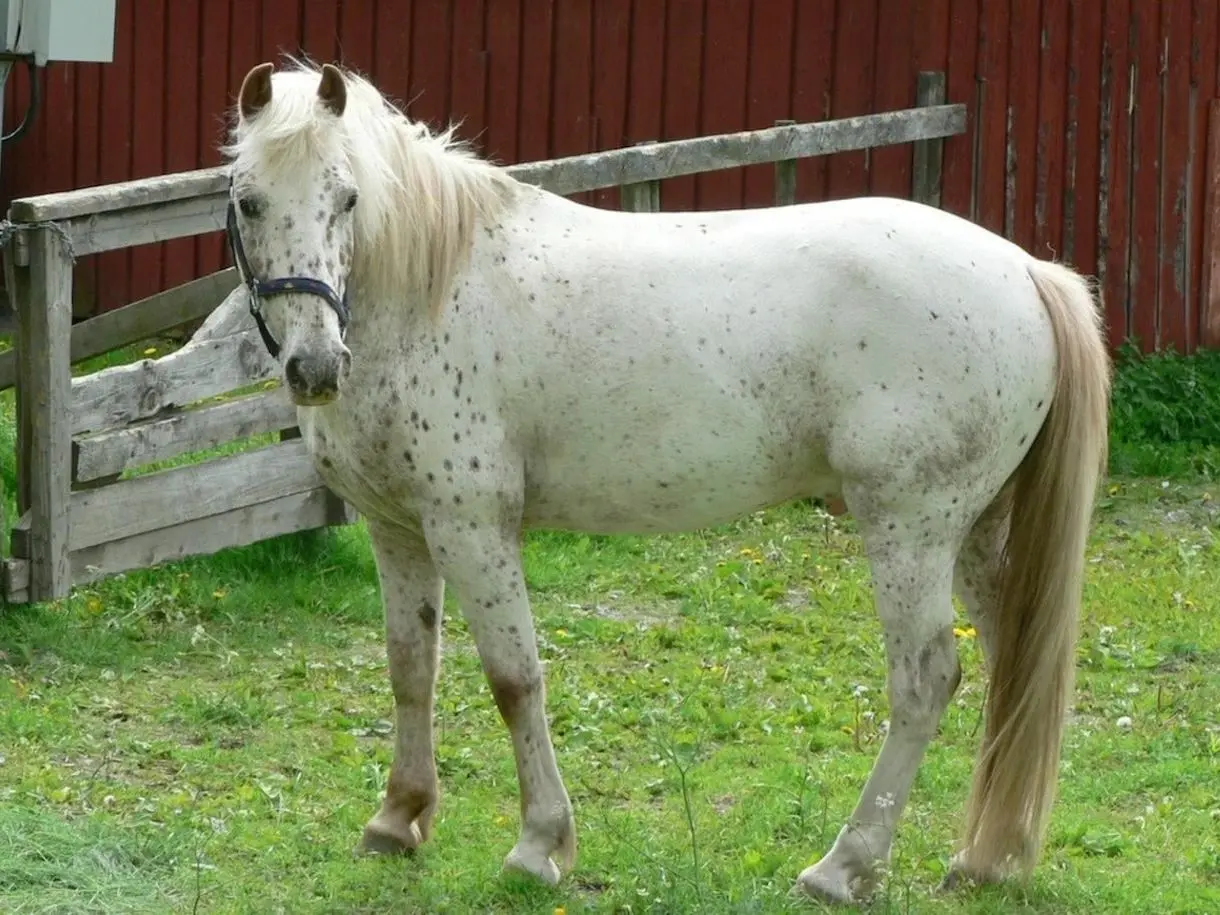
671 482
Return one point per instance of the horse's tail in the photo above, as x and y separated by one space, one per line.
1041 582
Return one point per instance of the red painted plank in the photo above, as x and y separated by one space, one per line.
468 79
1022 139
993 114
1052 113
1146 167
894 87
391 65
1114 203
214 101
1176 312
319 33
182 73
148 101
770 86
646 73
572 82
114 154
431 43
726 66
929 31
1083 135
1209 319
962 87
85 168
852 90
279 29
684 42
537 38
59 98
504 79
611 75
356 42
1203 62
812 76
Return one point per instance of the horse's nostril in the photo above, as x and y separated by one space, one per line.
292 371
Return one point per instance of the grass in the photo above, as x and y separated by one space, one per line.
212 736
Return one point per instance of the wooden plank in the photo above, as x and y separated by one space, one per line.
1209 321
16 574
769 98
114 160
125 394
392 50
928 155
242 526
1175 304
182 73
683 85
148 224
468 78
723 102
214 98
504 80
45 320
161 438
646 76
1203 61
88 129
993 115
148 132
139 320
537 67
571 89
854 69
1083 174
962 86
320 30
431 44
124 224
770 145
812 78
1145 171
1114 193
611 60
1021 175
889 168
160 500
1052 113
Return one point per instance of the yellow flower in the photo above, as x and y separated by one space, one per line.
967 633
151 351
94 605
559 910
219 593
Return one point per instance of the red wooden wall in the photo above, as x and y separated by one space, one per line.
1086 138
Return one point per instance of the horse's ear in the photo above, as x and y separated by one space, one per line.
332 89
255 90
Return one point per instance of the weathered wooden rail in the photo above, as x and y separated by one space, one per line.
84 515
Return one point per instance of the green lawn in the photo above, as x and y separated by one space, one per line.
212 736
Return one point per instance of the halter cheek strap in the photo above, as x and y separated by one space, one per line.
261 289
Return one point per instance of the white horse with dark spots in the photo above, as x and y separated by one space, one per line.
473 357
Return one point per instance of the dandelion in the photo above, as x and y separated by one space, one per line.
968 632
151 351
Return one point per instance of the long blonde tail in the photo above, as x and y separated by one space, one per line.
1040 586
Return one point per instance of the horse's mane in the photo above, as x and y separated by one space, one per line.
421 192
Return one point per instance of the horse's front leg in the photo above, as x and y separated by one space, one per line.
412 591
482 563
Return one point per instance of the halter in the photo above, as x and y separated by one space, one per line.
261 289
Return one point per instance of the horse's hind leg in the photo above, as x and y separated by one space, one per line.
911 552
412 592
977 575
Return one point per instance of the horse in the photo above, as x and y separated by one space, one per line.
473 357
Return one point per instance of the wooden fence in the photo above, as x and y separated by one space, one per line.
89 504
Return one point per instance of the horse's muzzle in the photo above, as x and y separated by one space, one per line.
315 379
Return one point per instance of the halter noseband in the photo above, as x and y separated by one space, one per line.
261 289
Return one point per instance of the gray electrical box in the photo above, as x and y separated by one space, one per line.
81 30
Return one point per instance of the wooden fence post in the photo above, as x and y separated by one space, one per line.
644 197
41 271
785 175
928 154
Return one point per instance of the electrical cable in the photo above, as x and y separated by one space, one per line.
32 107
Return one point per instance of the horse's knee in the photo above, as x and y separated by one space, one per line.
922 681
513 692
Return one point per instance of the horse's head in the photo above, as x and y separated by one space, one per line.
291 224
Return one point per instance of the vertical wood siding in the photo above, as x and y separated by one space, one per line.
1087 131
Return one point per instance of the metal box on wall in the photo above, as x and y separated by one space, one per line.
76 30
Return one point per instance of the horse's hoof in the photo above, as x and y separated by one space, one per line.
537 866
382 838
824 886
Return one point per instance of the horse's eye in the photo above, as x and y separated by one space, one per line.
250 207
350 203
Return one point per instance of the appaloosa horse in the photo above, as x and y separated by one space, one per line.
473 356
